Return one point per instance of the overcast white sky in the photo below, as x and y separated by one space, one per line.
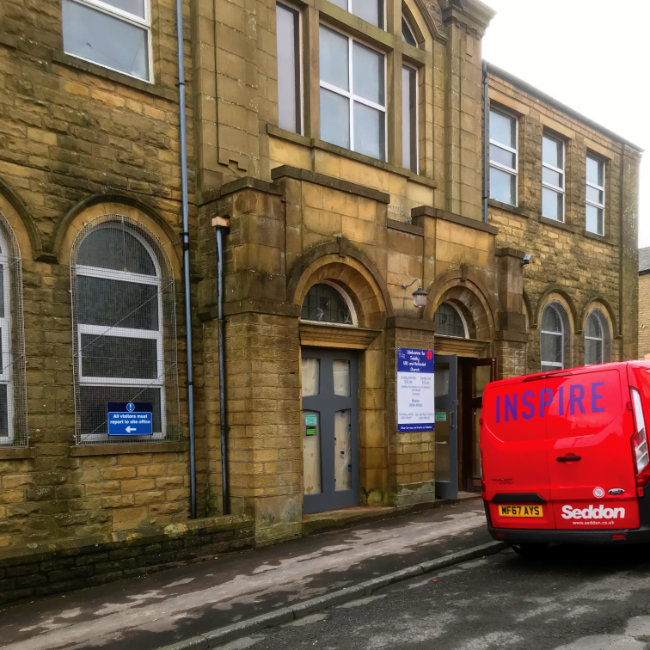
592 55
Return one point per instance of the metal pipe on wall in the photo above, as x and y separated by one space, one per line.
223 413
186 254
486 144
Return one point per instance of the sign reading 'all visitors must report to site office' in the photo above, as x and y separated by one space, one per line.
130 418
415 411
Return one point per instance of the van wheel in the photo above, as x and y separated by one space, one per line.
530 549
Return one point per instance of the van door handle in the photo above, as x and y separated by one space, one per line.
569 458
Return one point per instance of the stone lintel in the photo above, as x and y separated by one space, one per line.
406 323
422 211
286 171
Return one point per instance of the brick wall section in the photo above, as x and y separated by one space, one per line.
586 268
71 131
644 315
75 567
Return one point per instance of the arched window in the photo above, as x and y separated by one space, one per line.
408 33
448 321
13 410
554 337
326 304
124 336
597 338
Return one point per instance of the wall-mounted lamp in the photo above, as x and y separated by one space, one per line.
419 295
525 259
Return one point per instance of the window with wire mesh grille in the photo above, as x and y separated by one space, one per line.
125 335
13 409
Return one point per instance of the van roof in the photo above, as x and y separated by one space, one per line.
568 372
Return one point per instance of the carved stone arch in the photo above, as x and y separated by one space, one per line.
19 218
467 294
422 21
351 271
110 206
597 302
559 295
431 12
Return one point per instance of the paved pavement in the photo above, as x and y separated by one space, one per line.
207 604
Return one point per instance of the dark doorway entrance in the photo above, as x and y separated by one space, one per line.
329 429
445 369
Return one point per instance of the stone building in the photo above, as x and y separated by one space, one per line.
341 156
644 303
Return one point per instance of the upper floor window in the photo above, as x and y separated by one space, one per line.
449 322
597 338
409 118
123 320
595 195
552 178
554 337
371 11
352 94
289 69
113 33
503 157
326 304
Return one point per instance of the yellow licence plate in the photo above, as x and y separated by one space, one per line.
521 511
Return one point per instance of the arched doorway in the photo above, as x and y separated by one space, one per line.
464 364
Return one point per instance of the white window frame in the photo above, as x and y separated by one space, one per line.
542 332
601 188
125 332
350 3
408 28
6 324
512 171
127 17
298 44
349 94
604 338
413 122
559 190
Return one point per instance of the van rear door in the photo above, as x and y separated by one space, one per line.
591 468
515 449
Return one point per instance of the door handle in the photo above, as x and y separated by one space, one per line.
569 458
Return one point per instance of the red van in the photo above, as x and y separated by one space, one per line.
565 456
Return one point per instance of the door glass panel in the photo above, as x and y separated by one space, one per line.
341 376
310 373
311 452
443 467
443 425
441 381
342 450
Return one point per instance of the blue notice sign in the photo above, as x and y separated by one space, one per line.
130 418
415 390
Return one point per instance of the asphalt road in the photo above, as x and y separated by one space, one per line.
570 599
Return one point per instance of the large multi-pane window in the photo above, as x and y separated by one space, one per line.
289 68
352 94
597 338
595 195
554 337
552 178
120 315
371 11
503 157
409 118
113 33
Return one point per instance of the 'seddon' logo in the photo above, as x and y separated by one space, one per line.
592 512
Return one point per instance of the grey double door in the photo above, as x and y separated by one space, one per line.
329 429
